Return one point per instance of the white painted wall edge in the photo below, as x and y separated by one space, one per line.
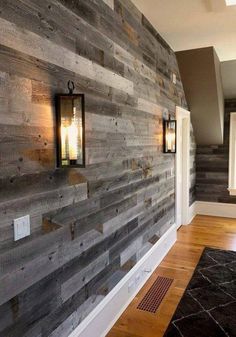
215 209
232 154
232 191
192 212
224 210
103 317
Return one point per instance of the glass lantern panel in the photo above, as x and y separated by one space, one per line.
71 130
170 137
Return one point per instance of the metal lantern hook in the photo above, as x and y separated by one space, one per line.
71 87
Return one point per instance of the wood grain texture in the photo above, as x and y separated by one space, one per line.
212 165
179 264
89 226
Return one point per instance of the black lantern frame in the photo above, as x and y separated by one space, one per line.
66 109
169 135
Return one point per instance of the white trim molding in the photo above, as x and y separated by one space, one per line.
214 209
223 210
182 175
232 191
232 154
192 212
103 317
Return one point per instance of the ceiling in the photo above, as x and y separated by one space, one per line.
189 24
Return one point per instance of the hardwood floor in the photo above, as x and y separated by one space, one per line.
179 264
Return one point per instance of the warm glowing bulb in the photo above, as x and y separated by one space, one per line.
170 139
73 141
64 135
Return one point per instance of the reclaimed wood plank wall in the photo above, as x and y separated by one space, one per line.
89 226
212 165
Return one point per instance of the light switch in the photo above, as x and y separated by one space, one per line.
21 227
174 78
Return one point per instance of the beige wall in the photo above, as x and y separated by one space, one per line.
200 72
219 86
228 70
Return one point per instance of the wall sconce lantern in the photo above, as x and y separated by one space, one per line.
70 119
169 136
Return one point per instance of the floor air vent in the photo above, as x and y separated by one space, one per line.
155 294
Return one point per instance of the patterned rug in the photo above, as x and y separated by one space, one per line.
208 306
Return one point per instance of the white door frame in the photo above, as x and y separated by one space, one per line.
182 175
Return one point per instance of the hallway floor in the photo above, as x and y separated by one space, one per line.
179 264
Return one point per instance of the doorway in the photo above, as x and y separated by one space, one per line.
182 177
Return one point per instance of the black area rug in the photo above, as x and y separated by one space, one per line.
208 306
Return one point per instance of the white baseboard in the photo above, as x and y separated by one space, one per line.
215 209
102 318
192 212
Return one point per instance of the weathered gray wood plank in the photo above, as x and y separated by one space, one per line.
90 225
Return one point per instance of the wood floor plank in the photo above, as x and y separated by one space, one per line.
179 264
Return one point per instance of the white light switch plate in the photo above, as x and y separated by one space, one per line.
174 78
21 227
